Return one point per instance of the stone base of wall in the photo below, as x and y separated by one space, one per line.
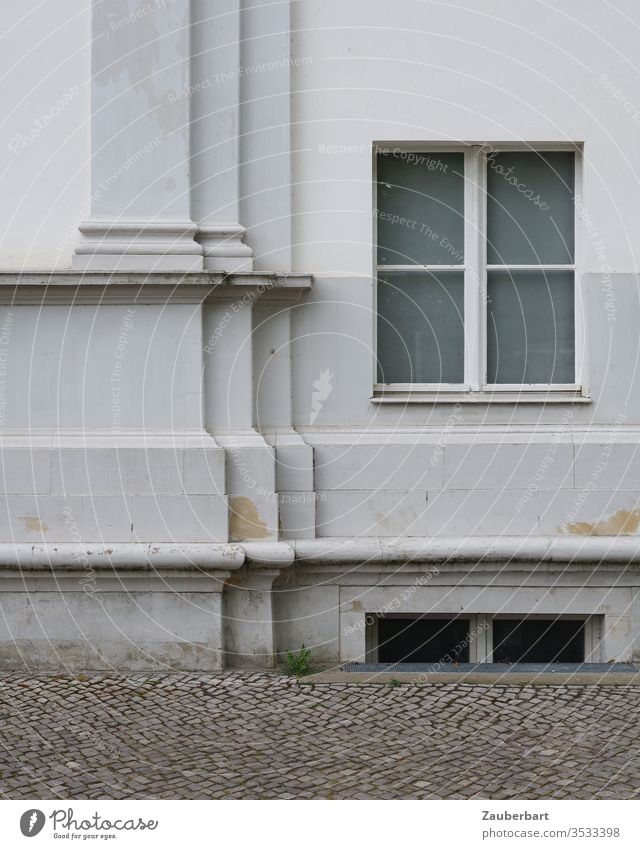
205 607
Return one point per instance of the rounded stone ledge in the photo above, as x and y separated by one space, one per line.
125 557
571 550
275 554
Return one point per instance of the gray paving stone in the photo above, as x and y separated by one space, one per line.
259 735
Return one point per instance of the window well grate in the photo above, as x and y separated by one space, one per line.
533 668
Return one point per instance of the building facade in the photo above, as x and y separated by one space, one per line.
319 327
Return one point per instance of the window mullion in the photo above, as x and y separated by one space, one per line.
475 272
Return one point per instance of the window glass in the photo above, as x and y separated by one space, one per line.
423 640
538 641
420 214
421 327
530 327
530 208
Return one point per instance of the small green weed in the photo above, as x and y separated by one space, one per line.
298 663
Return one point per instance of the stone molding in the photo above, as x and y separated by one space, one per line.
132 557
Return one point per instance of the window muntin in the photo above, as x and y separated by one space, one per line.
515 329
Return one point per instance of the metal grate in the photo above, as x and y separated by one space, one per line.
533 668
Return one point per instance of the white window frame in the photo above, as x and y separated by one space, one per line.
481 632
475 389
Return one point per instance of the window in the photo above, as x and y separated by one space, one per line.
423 640
538 641
483 638
476 272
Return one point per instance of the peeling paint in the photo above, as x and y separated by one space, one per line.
33 524
622 523
245 521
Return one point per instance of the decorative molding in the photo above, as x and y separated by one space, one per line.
160 287
135 245
122 557
423 550
366 554
224 249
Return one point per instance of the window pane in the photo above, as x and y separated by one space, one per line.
420 211
530 210
423 640
421 327
538 641
530 327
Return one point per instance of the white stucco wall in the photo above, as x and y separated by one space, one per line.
297 170
44 131
459 71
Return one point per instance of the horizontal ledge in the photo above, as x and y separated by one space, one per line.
498 397
85 557
129 558
209 279
383 550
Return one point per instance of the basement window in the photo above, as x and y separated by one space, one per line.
538 641
423 640
483 638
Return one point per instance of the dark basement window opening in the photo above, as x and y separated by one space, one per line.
538 641
423 640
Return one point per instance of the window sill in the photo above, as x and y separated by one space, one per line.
525 396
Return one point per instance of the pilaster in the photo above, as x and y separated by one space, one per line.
216 74
140 127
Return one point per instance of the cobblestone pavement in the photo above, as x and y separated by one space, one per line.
244 735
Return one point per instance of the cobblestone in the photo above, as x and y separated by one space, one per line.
261 735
